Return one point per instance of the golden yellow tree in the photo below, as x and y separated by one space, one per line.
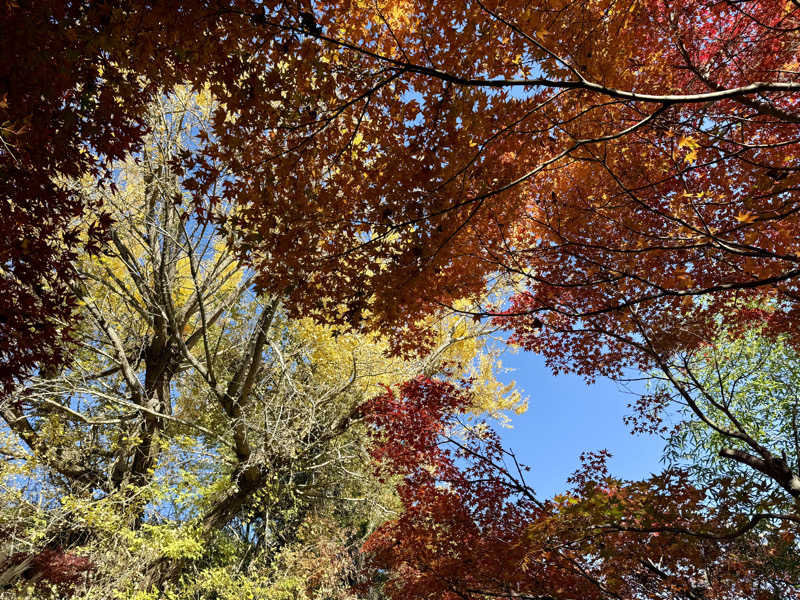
197 429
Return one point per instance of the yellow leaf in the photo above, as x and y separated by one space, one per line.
746 217
690 143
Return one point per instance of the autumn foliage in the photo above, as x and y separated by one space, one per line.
613 184
473 528
51 568
615 160
608 155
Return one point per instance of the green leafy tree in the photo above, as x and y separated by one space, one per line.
738 401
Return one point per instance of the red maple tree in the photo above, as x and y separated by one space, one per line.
606 156
473 528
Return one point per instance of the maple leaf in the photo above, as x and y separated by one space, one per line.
746 218
690 143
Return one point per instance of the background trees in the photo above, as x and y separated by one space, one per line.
740 400
198 440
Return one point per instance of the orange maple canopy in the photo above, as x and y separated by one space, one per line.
614 162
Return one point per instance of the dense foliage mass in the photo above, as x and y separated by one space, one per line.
199 442
251 252
473 527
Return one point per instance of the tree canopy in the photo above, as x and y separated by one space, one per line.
197 431
277 235
396 157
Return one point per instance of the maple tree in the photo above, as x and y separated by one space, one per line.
473 528
608 157
395 156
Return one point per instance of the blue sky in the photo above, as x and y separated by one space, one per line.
566 417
